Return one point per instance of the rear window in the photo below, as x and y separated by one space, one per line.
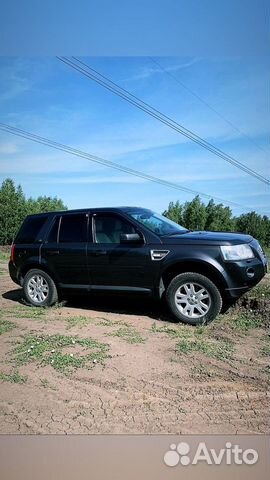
29 232
73 229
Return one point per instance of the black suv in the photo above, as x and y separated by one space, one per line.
134 250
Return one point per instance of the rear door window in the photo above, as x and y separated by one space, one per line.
73 228
29 232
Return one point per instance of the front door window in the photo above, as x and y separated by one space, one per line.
108 228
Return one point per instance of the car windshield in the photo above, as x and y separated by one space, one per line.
156 223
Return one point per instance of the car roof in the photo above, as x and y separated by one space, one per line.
92 210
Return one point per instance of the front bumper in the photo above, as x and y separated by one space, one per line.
244 275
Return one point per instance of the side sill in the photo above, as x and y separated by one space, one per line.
74 286
118 288
112 288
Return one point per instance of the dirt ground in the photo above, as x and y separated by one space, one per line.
114 365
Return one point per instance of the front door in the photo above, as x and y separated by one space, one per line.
114 265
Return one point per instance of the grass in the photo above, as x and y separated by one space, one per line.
14 377
48 350
58 305
106 322
260 290
129 335
4 256
267 253
35 313
266 350
172 332
247 321
44 382
6 326
221 349
79 321
197 340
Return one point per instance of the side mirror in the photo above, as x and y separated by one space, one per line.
130 238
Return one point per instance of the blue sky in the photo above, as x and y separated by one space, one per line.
121 27
45 97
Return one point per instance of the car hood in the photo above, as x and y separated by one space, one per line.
208 238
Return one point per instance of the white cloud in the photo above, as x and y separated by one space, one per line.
14 80
102 178
8 148
20 85
147 72
186 163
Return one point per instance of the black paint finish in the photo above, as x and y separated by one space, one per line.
96 261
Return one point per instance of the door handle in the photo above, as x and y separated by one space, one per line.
53 252
100 252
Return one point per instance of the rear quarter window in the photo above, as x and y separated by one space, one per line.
30 229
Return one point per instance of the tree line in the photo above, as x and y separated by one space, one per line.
14 207
195 215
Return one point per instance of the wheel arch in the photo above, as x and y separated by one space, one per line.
200 266
33 265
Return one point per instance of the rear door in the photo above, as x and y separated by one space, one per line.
65 250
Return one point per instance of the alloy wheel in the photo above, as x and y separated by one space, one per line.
192 300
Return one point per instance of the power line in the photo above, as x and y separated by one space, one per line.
186 132
79 153
132 99
194 94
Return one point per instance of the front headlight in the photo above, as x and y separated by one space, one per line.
236 252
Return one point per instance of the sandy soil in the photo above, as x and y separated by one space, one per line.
141 387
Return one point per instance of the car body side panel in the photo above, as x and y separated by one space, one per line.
67 262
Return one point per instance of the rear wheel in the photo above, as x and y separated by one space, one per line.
193 298
39 288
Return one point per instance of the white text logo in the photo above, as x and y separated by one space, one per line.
230 454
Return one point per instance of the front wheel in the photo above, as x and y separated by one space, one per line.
193 298
39 288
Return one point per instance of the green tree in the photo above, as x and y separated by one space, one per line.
174 212
218 217
12 210
194 214
266 231
255 225
45 204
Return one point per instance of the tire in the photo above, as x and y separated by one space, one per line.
39 288
195 305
